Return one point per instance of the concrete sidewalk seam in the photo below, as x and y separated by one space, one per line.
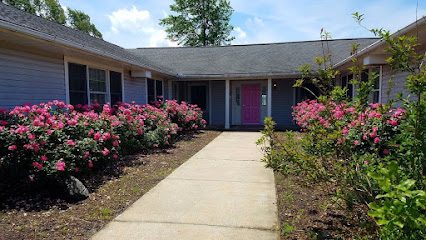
197 224
213 180
228 159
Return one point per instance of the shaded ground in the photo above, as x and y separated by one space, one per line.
35 214
307 210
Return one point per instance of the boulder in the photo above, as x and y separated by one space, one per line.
74 189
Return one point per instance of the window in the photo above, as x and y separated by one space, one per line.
77 84
263 100
158 88
346 82
365 74
115 87
199 96
155 90
97 86
87 84
237 96
376 91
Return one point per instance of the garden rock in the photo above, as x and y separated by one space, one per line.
74 189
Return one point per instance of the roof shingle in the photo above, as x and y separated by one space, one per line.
242 60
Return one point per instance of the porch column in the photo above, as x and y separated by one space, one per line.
170 90
269 103
210 102
227 93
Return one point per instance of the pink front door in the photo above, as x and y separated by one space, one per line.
251 104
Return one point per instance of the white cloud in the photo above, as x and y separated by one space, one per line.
133 28
240 36
131 20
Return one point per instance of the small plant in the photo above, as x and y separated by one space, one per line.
400 210
286 229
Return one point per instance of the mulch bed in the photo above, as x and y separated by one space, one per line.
34 211
308 211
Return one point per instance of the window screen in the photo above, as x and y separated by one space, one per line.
115 87
151 90
158 88
77 83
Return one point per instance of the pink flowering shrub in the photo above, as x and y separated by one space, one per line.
186 116
55 138
144 126
369 131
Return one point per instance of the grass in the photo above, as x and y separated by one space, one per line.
36 214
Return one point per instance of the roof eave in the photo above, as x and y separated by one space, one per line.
240 75
47 37
380 42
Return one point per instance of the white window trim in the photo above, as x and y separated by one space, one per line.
88 65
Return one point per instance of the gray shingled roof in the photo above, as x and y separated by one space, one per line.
246 60
12 16
237 60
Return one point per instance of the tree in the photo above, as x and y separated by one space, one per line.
81 21
199 22
53 11
23 5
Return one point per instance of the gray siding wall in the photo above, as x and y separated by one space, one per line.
282 101
26 77
218 102
134 89
398 79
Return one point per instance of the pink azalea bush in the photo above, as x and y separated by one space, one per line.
370 130
55 138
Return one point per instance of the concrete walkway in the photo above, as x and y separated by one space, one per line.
222 192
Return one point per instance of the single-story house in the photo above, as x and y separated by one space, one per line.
234 85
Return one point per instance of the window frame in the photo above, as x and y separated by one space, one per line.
379 90
369 70
92 65
155 89
351 94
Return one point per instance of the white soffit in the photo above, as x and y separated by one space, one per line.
141 74
378 59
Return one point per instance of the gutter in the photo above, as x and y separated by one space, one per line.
239 75
380 42
51 38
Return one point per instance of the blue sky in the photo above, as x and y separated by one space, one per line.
131 23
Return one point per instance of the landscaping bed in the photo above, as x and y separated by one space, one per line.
31 211
307 211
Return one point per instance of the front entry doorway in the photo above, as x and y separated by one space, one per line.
251 104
